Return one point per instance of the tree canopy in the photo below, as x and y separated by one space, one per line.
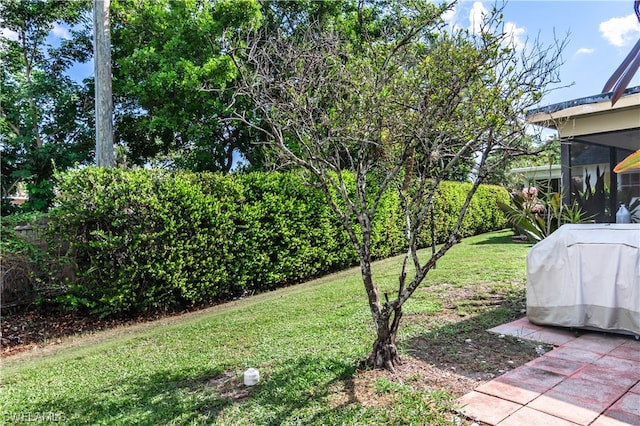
383 92
164 53
172 83
45 119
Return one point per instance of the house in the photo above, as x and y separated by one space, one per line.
548 178
594 137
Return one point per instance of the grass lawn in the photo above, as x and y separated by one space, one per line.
305 340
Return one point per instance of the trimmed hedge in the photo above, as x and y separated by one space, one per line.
151 239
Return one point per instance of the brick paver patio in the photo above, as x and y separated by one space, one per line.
589 379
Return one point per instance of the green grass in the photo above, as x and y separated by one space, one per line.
305 340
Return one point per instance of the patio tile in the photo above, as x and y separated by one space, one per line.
565 410
556 365
626 409
508 391
587 394
517 328
627 367
486 408
551 336
603 376
608 421
629 350
597 342
530 417
573 354
593 379
532 379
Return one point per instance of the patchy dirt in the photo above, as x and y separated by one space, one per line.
365 387
229 386
36 327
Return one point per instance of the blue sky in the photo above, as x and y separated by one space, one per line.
600 35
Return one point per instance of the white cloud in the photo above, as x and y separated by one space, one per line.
584 51
450 15
451 18
620 31
477 15
9 34
513 32
514 35
60 31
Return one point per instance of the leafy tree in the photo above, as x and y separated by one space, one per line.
44 115
164 54
399 107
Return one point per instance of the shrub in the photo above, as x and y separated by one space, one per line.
150 239
287 232
147 239
483 214
30 272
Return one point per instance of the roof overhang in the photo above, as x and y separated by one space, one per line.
594 120
553 171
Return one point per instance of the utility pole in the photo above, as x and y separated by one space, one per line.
103 92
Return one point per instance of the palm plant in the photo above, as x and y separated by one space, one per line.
620 79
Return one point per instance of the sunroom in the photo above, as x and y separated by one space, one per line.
594 137
588 276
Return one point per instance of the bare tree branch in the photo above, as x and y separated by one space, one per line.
402 112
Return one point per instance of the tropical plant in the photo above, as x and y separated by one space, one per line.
538 217
622 76
593 200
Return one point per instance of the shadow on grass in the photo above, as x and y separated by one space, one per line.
467 348
498 239
301 389
298 388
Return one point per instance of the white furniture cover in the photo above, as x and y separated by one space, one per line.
586 276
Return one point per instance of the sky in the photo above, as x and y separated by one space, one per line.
600 35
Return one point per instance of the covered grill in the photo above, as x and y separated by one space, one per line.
586 276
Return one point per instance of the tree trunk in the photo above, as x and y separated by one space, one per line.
103 90
384 353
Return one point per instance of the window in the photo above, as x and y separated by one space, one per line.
595 187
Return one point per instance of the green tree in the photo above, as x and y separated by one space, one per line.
171 75
45 119
399 107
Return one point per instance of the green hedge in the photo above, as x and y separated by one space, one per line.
149 239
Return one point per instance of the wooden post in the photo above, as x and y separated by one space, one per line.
103 92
